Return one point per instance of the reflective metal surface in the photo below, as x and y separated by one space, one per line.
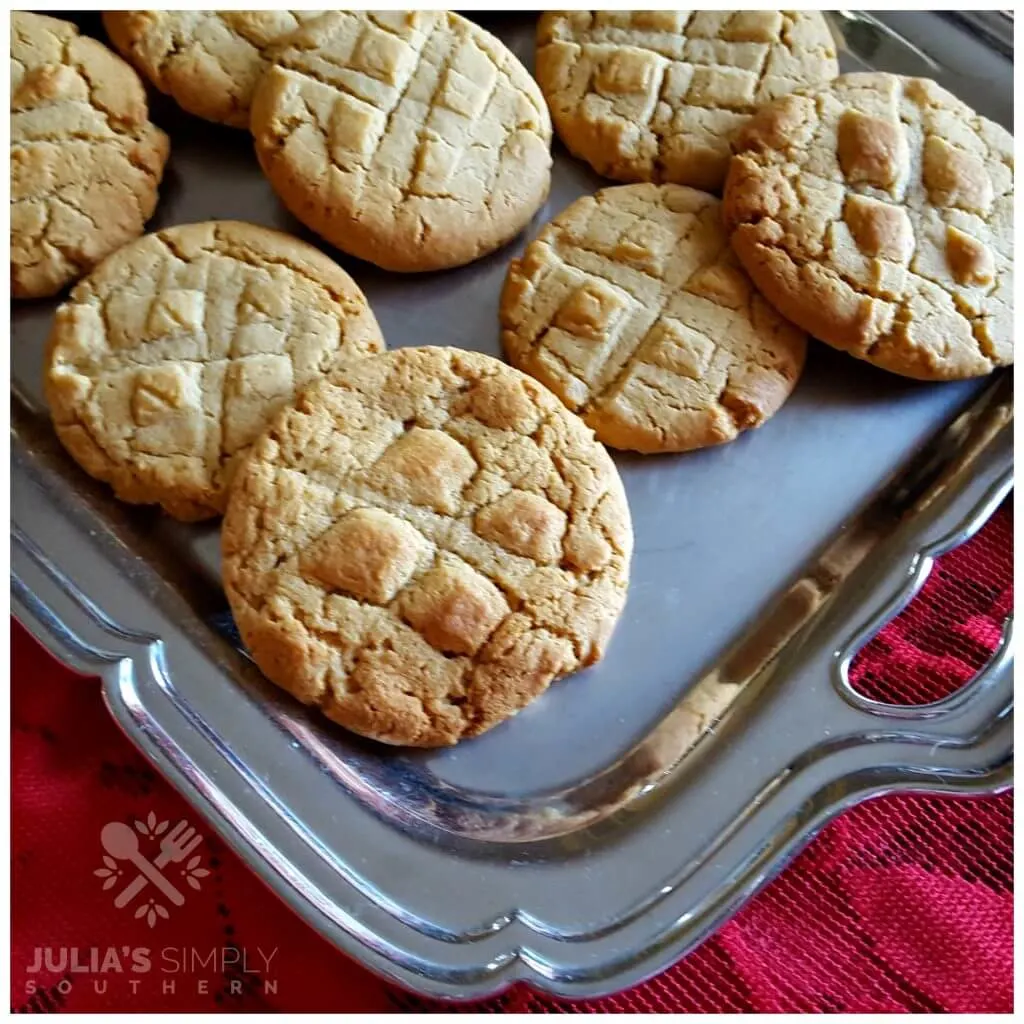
611 826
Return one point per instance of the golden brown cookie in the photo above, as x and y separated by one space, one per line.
878 214
423 543
657 95
86 161
208 61
414 140
631 307
168 360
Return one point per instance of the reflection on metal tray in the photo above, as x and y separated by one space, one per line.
612 825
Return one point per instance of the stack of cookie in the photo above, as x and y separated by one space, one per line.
631 305
873 211
412 139
658 95
419 542
166 362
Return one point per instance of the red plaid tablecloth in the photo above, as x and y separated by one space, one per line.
902 904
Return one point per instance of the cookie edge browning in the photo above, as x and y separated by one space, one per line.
583 141
389 242
608 429
127 31
835 315
122 477
149 150
282 656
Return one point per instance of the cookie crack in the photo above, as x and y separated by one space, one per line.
421 137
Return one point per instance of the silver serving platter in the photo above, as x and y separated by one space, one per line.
614 824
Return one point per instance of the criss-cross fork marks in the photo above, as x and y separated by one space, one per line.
184 356
432 572
436 550
668 88
374 83
449 488
630 307
904 197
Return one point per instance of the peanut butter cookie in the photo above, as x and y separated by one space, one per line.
414 140
168 360
86 161
657 95
631 307
878 214
208 61
423 543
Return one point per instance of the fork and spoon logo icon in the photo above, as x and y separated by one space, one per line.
177 845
